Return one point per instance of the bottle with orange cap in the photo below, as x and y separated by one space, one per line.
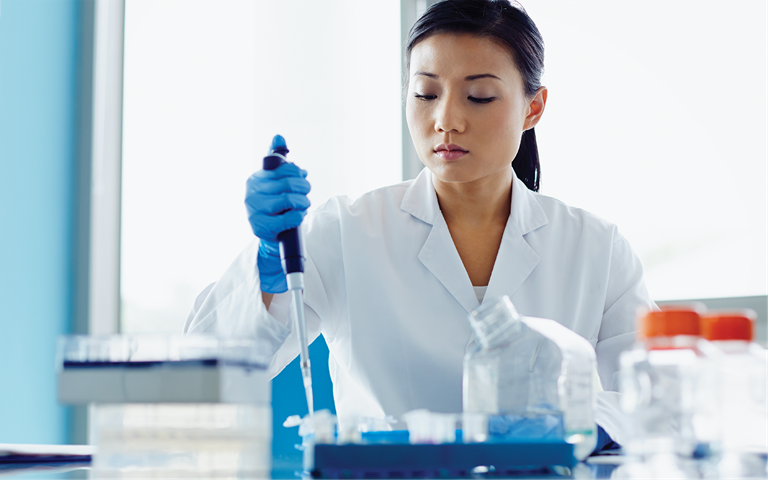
741 371
659 380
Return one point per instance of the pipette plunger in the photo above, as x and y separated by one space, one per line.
292 256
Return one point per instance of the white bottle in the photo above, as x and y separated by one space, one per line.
659 382
740 376
533 368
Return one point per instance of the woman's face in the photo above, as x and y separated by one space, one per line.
467 108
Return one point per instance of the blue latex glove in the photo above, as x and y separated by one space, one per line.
276 200
516 426
604 441
543 426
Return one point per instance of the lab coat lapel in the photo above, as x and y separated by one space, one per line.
439 254
441 258
516 259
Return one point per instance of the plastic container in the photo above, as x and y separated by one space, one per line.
530 373
430 427
171 406
182 440
148 349
741 372
660 382
161 369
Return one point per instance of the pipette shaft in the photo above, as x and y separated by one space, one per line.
296 286
292 256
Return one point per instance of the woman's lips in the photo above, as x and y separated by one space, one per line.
450 154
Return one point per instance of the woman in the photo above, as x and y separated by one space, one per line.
391 277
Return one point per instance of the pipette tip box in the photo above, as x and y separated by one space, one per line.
161 369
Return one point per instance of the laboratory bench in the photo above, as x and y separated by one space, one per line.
595 468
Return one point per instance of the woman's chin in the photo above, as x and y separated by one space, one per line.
452 174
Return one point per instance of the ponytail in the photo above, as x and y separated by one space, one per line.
526 162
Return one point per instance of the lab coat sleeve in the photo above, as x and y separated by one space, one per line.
625 294
233 306
325 292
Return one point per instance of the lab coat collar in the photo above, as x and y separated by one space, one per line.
514 262
420 200
525 210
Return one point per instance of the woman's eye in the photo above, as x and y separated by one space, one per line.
425 97
481 100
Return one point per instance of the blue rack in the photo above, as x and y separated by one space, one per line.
392 457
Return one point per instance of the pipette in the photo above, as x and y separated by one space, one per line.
291 254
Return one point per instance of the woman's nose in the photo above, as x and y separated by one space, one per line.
449 117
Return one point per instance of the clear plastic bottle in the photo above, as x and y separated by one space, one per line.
535 372
740 375
659 382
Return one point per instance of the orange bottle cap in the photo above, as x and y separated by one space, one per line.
729 325
669 322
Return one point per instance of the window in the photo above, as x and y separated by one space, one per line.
207 85
656 121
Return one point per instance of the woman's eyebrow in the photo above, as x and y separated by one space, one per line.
467 78
482 75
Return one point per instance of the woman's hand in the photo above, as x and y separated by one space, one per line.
276 200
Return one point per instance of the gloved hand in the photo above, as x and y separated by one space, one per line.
276 200
517 426
604 441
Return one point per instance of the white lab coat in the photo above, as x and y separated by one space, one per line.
386 287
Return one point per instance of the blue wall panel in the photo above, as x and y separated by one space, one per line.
38 50
288 399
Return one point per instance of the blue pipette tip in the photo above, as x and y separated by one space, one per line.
278 142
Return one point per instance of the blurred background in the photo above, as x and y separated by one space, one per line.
656 121
128 129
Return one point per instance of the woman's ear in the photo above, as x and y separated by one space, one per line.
535 108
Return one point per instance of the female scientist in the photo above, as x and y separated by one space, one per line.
392 276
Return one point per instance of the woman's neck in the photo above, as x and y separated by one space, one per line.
476 214
485 201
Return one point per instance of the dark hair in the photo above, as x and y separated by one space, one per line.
509 25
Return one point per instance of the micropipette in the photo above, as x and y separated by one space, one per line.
291 254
